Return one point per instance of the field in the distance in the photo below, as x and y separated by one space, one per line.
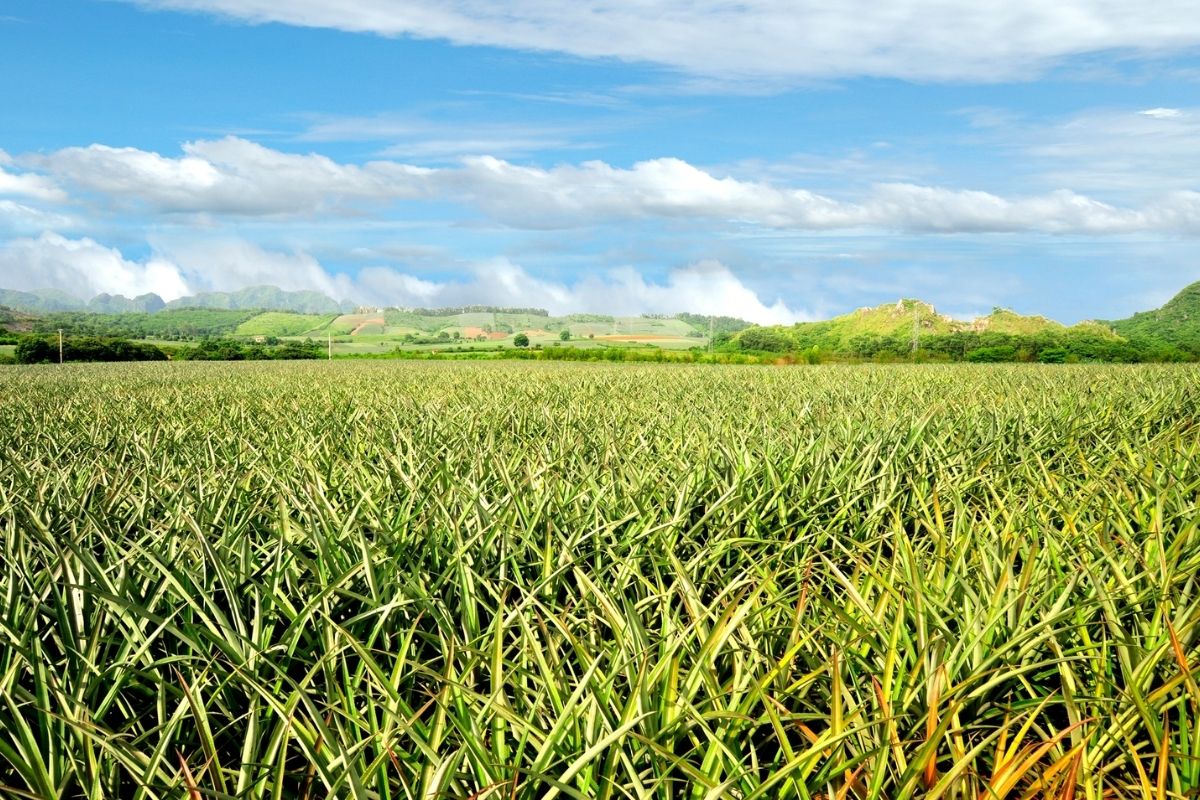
447 580
381 331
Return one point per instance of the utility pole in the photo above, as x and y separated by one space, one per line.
60 346
330 336
710 334
916 339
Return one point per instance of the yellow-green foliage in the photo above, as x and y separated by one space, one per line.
531 580
282 323
891 319
1003 320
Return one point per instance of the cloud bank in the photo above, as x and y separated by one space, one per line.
233 176
83 267
940 40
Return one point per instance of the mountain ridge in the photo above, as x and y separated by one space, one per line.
263 297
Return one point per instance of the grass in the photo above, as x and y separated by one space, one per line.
282 323
403 580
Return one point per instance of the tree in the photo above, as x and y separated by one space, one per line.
1053 355
565 335
521 340
35 351
993 354
771 340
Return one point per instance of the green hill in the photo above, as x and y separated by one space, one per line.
119 304
253 298
40 301
282 323
890 322
166 324
13 321
1177 323
265 298
888 332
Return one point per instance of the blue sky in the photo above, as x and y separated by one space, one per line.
773 160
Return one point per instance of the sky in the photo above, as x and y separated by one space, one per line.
776 160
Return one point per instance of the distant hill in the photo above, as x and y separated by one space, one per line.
40 301
270 298
12 321
262 298
119 304
898 322
888 331
1177 323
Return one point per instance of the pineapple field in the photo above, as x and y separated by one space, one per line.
393 580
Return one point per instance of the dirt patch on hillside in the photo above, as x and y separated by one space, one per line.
365 323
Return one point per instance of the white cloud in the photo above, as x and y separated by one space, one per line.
707 287
1138 155
1162 113
946 40
234 176
84 268
27 184
230 176
228 264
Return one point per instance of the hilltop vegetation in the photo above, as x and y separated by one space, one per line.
889 332
1177 323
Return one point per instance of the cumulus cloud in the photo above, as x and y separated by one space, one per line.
227 264
84 268
27 184
706 287
911 39
230 176
234 176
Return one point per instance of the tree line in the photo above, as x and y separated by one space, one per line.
36 349
1051 346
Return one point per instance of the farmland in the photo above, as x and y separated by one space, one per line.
429 579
